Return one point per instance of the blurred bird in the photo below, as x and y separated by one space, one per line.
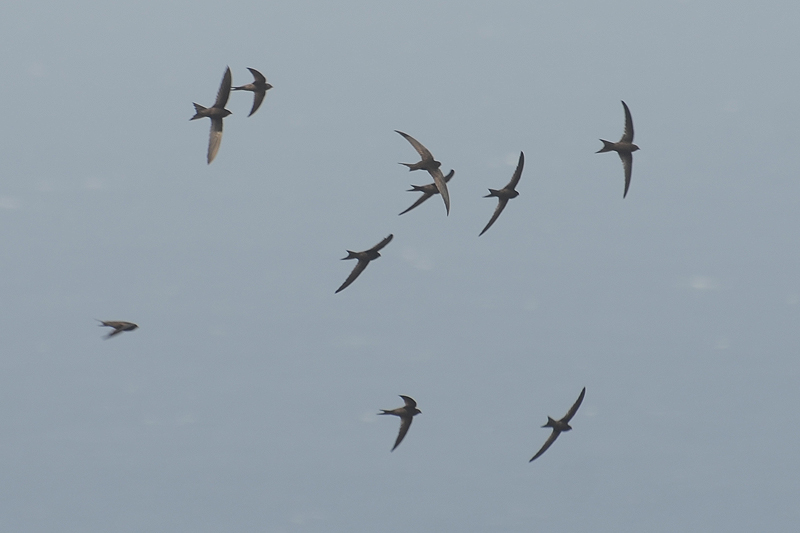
505 194
406 414
624 148
427 190
259 87
559 426
363 260
118 325
431 165
216 113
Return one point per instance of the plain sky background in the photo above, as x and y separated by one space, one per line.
247 399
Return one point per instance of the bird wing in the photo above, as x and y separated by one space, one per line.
405 423
224 90
441 185
258 97
257 75
421 199
117 330
449 175
410 403
574 408
627 164
214 138
381 244
421 150
627 136
359 268
501 204
517 173
550 440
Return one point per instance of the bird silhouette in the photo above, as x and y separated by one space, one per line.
559 426
406 414
624 148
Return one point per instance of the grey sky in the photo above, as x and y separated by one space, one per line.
247 399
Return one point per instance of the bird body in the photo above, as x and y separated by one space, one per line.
431 165
258 87
624 148
363 260
406 414
559 426
427 191
216 113
506 193
118 325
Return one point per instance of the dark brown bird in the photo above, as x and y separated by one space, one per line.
259 87
559 426
431 165
624 148
363 260
216 113
505 194
118 325
427 191
406 414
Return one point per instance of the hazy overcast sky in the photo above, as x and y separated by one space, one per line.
247 399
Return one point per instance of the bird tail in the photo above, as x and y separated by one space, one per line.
550 423
350 255
384 412
492 192
417 188
607 147
197 109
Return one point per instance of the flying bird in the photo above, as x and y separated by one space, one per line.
624 148
118 325
363 260
216 113
259 87
427 191
559 425
406 414
431 165
505 194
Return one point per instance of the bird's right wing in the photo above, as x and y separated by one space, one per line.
405 423
550 440
359 268
501 204
421 150
214 138
224 90
574 408
627 136
421 199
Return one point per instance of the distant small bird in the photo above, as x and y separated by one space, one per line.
505 194
431 165
216 113
406 414
259 87
118 325
363 260
427 190
624 148
559 426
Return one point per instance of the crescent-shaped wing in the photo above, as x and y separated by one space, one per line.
214 138
501 204
627 136
405 423
224 90
419 201
441 185
421 150
517 173
550 440
381 244
257 76
258 97
574 408
410 403
627 164
359 268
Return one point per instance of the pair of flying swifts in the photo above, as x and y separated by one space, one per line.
624 148
217 112
409 411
